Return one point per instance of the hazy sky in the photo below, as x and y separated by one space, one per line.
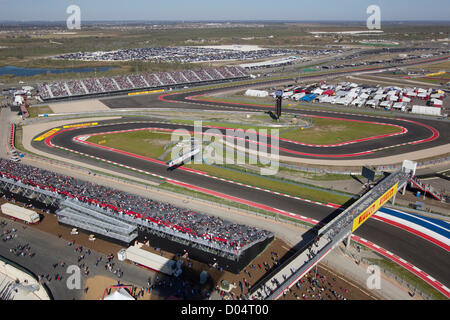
55 10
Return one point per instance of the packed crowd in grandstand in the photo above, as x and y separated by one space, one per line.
189 54
136 81
197 225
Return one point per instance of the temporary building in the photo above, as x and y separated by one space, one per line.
152 261
393 98
437 103
352 95
298 96
405 99
324 99
256 93
426 110
400 105
386 104
372 103
359 102
422 95
309 97
18 101
378 97
364 96
341 93
287 94
437 96
20 213
318 91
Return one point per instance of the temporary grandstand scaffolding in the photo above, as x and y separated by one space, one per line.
31 192
75 214
109 221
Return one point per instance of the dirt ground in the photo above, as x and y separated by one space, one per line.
278 250
78 106
101 286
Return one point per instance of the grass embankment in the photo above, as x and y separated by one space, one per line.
272 184
151 144
145 143
35 111
410 278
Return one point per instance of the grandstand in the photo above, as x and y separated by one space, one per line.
123 84
123 217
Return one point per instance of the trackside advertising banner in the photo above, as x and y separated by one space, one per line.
366 214
47 134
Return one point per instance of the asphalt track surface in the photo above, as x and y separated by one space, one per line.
430 258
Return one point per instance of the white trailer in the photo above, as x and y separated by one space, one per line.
432 111
151 261
256 93
29 216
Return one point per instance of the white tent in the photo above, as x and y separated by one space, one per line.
393 98
406 99
400 105
287 94
298 96
120 294
318 91
364 96
437 103
386 104
372 103
378 97
256 93
359 102
422 95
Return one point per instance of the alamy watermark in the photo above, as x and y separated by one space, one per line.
74 20
73 282
374 20
227 146
374 280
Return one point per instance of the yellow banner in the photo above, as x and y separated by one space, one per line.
81 125
435 74
144 92
366 214
47 134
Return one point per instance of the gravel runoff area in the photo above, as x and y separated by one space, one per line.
78 106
